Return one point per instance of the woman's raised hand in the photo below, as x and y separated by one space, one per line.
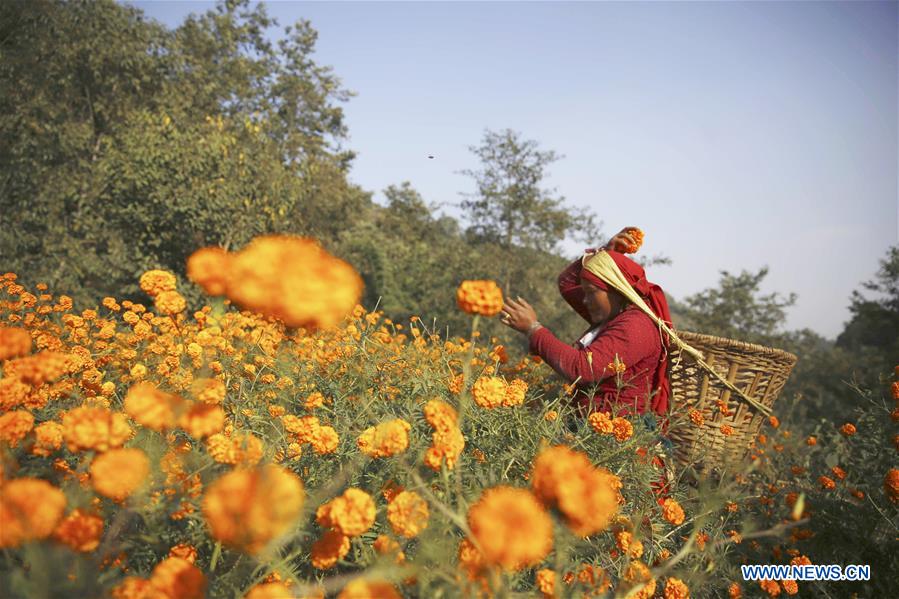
621 241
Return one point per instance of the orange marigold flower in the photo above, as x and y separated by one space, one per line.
771 587
325 440
154 282
80 530
304 427
170 303
241 448
329 549
735 591
480 297
551 415
14 343
14 426
622 429
697 418
515 392
826 483
489 391
588 496
676 589
247 508
386 439
601 423
848 429
369 589
351 514
727 430
384 545
637 235
811 441
98 429
672 511
30 509
269 590
638 576
314 400
47 438
39 368
511 527
838 472
408 514
177 578
790 586
773 421
184 551
201 420
133 587
891 485
152 407
209 267
119 472
628 544
546 583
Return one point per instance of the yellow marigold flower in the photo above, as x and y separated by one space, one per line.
152 407
891 484
247 508
638 576
201 420
14 343
14 426
170 303
369 589
211 391
848 429
587 496
386 439
351 514
242 448
601 423
325 440
672 511
546 583
511 527
30 508
184 551
440 415
80 530
551 415
480 297
98 429
622 429
47 438
489 391
515 392
314 400
177 578
637 235
676 589
408 514
329 549
119 472
208 267
154 282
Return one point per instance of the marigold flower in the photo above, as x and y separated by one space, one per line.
838 472
735 591
811 441
628 544
47 438
891 484
177 578
184 551
14 343
247 508
697 418
241 448
551 415
201 420
601 423
773 421
894 389
480 297
304 427
637 235
447 441
154 282
14 426
329 549
848 429
384 545
351 514
80 530
622 429
30 509
587 496
325 440
37 369
209 267
98 429
269 590
170 303
489 391
369 589
727 430
672 511
771 587
386 439
511 527
637 575
676 589
119 472
152 407
408 514
546 583
826 483
515 392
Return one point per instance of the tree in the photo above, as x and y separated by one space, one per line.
510 206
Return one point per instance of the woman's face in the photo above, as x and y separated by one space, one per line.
601 305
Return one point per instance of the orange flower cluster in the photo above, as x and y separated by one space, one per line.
80 530
587 496
154 282
447 441
480 297
246 509
48 438
408 514
638 577
39 368
30 509
621 428
696 417
493 391
153 408
14 426
672 511
172 577
290 278
546 583
118 473
14 343
676 589
239 448
511 527
351 514
323 438
386 439
891 484
97 429
326 551
637 235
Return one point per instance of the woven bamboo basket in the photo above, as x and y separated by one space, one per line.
759 372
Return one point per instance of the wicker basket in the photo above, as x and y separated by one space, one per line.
759 372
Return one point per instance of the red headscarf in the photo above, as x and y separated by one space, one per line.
654 297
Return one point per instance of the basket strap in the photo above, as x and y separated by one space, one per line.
603 266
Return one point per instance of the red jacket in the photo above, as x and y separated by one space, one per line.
631 335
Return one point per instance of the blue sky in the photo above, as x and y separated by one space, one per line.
735 134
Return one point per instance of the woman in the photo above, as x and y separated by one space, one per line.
618 329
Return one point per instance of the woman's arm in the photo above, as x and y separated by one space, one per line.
570 288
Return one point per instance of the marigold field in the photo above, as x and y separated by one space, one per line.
151 451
